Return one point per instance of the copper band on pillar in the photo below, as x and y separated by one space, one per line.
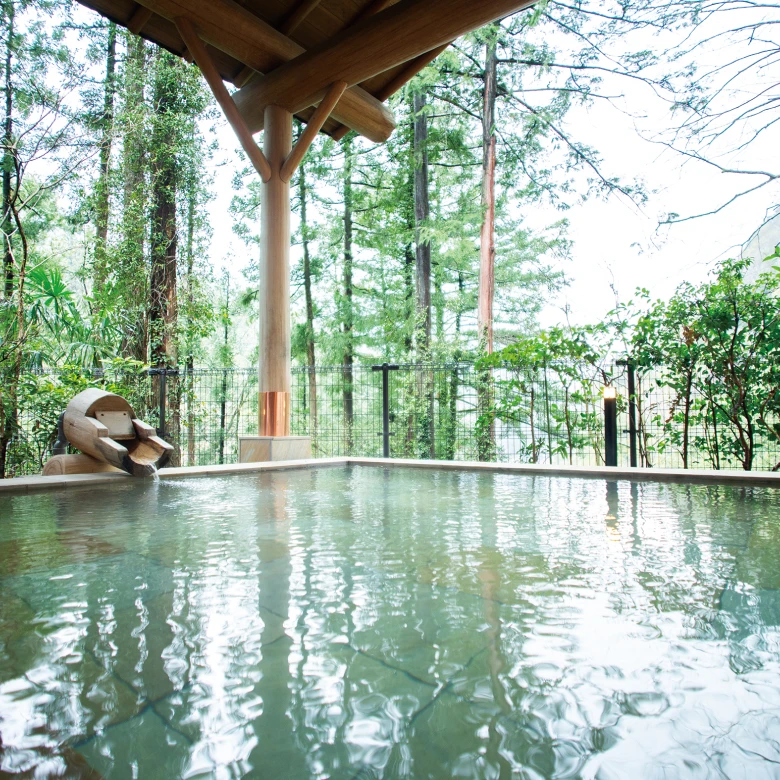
274 409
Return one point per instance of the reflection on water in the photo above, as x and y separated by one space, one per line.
373 623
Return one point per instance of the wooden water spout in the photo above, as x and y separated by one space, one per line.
104 426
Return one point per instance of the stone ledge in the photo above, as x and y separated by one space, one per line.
36 483
690 476
700 477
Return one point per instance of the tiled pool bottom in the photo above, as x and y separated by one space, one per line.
365 623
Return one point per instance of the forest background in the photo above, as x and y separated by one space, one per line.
123 246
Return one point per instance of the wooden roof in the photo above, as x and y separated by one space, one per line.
249 37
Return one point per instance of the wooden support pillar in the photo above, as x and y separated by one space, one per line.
276 165
275 377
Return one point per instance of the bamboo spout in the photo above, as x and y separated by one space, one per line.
104 426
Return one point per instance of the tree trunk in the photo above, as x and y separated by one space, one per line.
408 271
487 244
225 356
103 189
311 355
348 312
163 302
687 418
487 253
9 396
132 270
423 276
438 301
8 128
458 312
408 276
421 216
190 359
409 260
10 363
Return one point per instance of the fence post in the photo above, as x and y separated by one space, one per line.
385 368
547 407
222 416
610 426
632 409
162 398
632 429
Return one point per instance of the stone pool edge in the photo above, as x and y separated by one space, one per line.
622 474
702 477
36 483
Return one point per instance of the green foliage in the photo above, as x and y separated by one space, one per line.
550 383
714 346
42 398
717 345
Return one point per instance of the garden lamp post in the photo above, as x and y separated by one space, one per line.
610 426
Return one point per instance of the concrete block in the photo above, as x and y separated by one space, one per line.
263 449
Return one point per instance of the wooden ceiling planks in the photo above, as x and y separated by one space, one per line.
406 31
237 32
312 26
329 15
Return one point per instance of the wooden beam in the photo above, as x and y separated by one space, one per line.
229 27
404 77
398 34
201 56
409 72
303 9
313 126
371 9
139 19
243 77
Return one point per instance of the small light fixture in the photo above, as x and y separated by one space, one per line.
610 392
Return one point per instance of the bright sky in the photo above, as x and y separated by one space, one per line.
620 242
616 243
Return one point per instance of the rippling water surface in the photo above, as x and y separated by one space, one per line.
367 623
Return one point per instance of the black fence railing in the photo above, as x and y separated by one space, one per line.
541 414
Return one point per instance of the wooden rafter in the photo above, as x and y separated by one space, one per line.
313 126
229 27
404 77
290 24
300 12
139 19
372 8
409 72
398 34
243 77
201 56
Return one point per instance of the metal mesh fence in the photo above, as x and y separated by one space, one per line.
541 414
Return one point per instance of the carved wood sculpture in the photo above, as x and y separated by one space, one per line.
63 465
104 427
331 64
